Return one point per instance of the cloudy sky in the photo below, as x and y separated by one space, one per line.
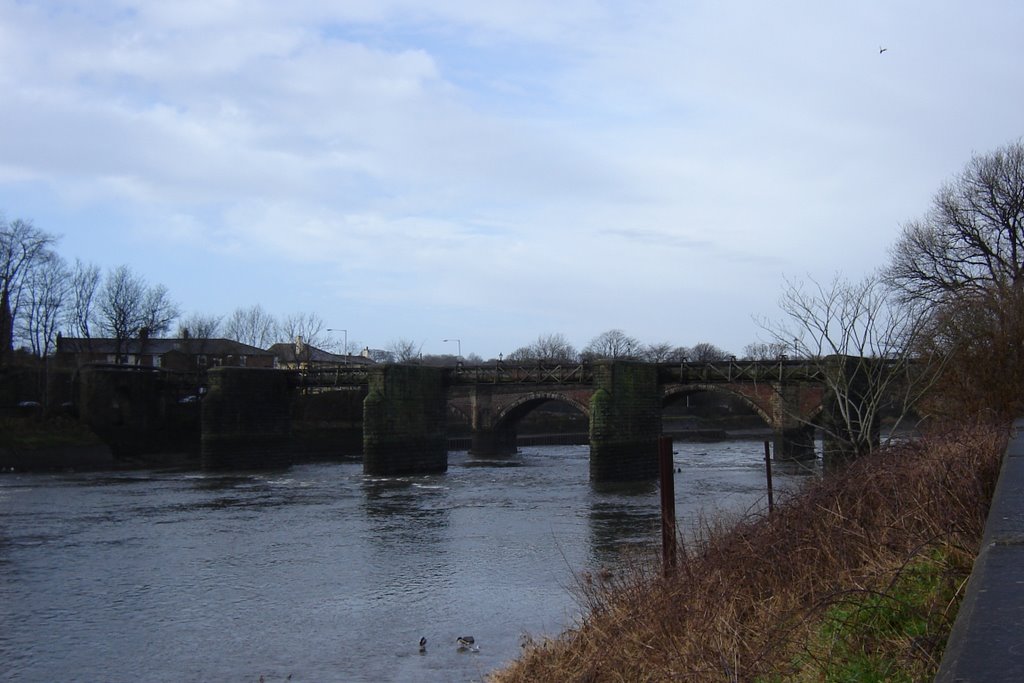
492 171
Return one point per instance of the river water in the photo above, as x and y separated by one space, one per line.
320 572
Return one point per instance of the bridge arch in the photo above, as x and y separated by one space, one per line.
510 415
675 391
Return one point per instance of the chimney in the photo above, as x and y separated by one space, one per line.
299 345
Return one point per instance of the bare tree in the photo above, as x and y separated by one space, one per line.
128 307
548 348
85 282
554 348
309 326
47 288
381 356
158 311
252 326
523 354
972 240
120 306
664 352
706 352
306 330
765 351
404 350
862 341
22 247
200 326
964 260
614 344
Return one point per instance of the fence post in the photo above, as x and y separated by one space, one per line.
668 506
768 474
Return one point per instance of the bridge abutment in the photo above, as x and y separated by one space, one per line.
404 421
625 422
246 419
135 411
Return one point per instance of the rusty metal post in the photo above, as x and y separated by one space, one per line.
668 506
768 473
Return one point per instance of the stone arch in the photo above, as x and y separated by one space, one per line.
683 389
512 413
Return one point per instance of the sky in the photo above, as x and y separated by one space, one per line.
494 171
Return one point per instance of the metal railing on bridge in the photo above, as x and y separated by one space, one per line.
756 371
523 373
694 372
318 379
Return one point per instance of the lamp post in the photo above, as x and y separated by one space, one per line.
457 341
345 350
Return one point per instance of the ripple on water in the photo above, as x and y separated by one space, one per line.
319 571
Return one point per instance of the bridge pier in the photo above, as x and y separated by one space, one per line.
625 422
795 443
794 436
246 419
404 421
487 437
493 442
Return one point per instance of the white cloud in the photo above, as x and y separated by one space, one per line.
570 161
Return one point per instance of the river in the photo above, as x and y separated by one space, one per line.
320 572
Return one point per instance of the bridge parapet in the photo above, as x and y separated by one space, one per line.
522 373
327 378
583 373
780 371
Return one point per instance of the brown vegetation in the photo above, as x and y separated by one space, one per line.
767 598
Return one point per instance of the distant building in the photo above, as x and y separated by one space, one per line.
303 356
184 354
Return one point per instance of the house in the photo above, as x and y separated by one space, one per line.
183 354
303 356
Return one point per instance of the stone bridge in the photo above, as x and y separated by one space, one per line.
405 413
624 403
246 411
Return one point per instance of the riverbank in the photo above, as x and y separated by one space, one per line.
855 579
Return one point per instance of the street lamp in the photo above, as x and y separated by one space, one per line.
457 341
336 329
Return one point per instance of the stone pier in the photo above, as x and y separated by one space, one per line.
489 438
625 422
246 419
404 421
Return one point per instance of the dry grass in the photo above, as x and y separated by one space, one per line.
770 599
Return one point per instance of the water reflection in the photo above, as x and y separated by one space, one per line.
622 520
320 571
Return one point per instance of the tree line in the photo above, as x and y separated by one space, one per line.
940 327
946 313
555 348
42 295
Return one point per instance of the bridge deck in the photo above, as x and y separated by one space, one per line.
583 373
